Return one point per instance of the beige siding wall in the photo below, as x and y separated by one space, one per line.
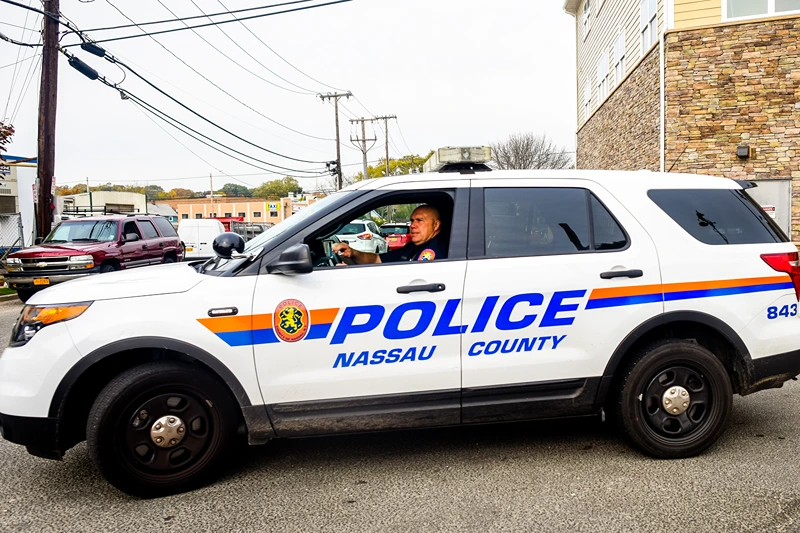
614 16
690 13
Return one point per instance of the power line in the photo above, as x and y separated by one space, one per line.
223 54
18 107
251 55
173 54
13 25
277 54
285 11
148 82
229 12
19 50
403 137
18 62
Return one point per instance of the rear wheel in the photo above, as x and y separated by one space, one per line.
168 259
675 400
160 428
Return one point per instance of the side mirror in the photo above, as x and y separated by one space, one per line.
226 243
130 237
294 260
39 240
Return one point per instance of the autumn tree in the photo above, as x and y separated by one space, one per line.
6 132
277 189
234 189
525 151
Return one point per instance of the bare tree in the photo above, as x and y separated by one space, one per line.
523 151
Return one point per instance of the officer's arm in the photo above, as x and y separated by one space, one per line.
364 258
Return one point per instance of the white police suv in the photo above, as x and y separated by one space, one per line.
651 297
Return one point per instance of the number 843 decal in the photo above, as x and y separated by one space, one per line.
786 311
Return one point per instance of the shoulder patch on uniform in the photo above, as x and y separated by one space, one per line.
427 255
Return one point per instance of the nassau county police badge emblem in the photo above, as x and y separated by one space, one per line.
427 255
291 321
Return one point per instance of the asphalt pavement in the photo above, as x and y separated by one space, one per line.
549 476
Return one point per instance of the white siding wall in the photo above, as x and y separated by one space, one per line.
614 16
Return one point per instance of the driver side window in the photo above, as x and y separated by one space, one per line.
130 227
427 215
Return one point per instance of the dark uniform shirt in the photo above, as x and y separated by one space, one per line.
427 251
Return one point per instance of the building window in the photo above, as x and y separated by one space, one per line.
242 214
587 18
198 215
738 9
587 101
185 216
649 23
273 214
228 215
619 58
602 78
212 215
257 214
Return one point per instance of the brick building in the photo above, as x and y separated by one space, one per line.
699 86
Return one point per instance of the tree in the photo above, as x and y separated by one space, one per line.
523 151
182 193
234 189
6 132
277 189
154 192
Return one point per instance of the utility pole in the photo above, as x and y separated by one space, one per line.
89 191
363 140
47 117
386 120
335 97
211 184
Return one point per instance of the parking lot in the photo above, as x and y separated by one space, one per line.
564 476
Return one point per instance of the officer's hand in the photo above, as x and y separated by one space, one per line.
343 249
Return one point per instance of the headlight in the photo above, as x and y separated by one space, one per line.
14 264
86 261
35 317
14 261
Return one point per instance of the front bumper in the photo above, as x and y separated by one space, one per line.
25 280
38 435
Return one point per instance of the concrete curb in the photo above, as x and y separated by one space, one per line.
9 297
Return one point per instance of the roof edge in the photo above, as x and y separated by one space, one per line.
571 7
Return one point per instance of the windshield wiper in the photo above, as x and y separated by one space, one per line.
85 240
49 242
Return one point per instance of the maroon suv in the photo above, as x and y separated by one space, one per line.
92 245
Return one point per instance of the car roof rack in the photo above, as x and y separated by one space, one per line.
463 159
465 168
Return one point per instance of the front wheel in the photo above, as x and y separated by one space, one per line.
675 400
24 295
160 428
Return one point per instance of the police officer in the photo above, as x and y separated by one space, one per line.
423 246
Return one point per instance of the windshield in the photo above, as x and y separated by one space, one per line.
84 231
394 230
254 246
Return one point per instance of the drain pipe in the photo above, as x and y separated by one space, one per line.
662 90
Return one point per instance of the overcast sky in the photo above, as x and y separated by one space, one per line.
455 72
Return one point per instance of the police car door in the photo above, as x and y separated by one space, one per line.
382 344
559 273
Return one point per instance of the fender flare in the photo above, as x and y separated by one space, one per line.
662 320
159 343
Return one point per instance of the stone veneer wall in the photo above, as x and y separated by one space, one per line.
736 85
624 134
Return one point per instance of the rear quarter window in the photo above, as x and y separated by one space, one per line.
165 227
718 216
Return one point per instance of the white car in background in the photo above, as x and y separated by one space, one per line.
364 236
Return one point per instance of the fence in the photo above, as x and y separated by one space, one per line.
11 236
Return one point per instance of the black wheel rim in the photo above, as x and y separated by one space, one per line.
694 419
144 457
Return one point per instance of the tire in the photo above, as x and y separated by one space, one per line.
168 259
655 372
24 295
118 430
107 268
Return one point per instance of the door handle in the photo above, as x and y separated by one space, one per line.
161 244
622 274
144 247
430 287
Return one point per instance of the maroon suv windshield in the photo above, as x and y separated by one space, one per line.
84 231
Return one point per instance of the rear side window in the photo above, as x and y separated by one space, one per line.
718 216
536 221
148 229
165 227
608 234
352 229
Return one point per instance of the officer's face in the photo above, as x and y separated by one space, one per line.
424 225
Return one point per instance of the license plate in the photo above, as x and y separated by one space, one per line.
393 239
190 249
41 281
